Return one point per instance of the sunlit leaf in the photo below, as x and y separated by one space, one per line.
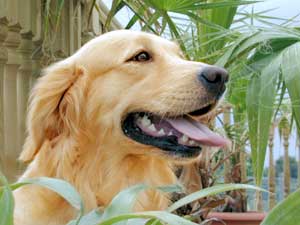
91 218
123 202
6 203
61 187
291 75
285 213
161 215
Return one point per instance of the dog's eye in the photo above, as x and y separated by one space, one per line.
142 57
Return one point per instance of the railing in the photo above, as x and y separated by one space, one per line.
22 57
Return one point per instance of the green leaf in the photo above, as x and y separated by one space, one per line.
175 32
123 202
227 57
185 5
161 215
208 192
132 21
263 37
139 14
61 187
291 75
116 6
285 213
170 188
6 203
154 17
47 17
58 11
269 79
260 101
91 218
153 222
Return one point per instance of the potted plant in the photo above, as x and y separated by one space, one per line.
259 61
120 208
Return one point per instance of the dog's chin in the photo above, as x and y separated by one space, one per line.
177 136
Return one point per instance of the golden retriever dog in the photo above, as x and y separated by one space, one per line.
116 113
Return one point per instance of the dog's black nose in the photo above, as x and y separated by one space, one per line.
214 78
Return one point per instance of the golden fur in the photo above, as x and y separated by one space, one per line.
74 121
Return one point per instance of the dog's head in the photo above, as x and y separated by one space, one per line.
132 92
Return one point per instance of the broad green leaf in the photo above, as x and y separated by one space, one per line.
6 203
269 78
91 218
260 101
185 5
217 189
261 38
161 215
286 212
223 17
123 202
291 76
224 60
61 187
252 100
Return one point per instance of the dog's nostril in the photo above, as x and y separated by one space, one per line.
214 75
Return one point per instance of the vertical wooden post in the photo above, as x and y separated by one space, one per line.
10 100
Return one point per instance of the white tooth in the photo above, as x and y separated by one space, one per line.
191 142
170 133
145 121
184 138
152 127
161 132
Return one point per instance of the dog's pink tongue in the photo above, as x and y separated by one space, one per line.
199 132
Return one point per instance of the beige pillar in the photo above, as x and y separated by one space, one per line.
37 57
23 85
272 177
10 100
3 59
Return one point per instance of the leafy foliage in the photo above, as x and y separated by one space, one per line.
119 210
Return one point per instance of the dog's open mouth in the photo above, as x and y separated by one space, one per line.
181 136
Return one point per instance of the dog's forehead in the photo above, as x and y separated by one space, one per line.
129 38
120 45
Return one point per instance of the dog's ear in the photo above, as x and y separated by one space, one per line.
54 106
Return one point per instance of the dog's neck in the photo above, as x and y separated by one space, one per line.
100 175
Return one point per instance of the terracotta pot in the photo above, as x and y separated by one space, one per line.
247 218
